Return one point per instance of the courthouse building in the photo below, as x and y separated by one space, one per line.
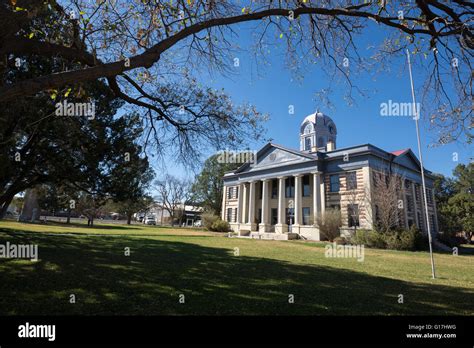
281 194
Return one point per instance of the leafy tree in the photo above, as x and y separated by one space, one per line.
455 201
207 188
143 47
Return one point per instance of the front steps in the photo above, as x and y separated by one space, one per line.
273 236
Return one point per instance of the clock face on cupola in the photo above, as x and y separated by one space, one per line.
318 133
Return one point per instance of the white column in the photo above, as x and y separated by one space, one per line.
245 204
298 199
265 221
224 207
316 196
252 205
240 206
322 191
281 226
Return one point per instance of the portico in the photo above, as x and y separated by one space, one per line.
274 203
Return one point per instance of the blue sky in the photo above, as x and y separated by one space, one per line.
361 123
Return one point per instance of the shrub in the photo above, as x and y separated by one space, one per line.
329 224
360 237
220 226
369 238
411 239
208 219
376 240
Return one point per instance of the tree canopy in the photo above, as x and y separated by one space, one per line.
455 200
207 188
150 53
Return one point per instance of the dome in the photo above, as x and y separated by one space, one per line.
317 133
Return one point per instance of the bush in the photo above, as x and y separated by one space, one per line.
220 226
208 219
369 238
329 224
376 240
411 239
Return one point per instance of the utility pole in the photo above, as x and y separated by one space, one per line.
415 110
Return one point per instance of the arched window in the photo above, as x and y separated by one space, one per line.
307 143
308 128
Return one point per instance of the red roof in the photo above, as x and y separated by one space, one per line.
399 152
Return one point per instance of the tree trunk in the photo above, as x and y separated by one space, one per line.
68 221
129 219
5 203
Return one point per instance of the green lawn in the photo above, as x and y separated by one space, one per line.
165 262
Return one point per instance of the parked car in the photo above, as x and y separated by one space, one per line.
198 223
149 220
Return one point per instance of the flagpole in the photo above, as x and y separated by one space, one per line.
415 110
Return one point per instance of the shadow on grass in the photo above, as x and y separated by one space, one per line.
96 225
212 280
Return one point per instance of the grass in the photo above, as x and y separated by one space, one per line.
164 263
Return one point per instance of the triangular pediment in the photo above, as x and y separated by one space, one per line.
271 156
409 160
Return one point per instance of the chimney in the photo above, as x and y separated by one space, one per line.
330 146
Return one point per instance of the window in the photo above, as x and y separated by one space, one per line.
335 207
290 216
274 216
377 213
409 203
308 128
417 192
290 187
307 143
306 215
351 179
306 188
407 184
432 224
235 215
353 215
429 196
260 189
229 214
420 220
259 216
232 192
274 188
334 183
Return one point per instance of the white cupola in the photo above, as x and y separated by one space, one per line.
317 133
